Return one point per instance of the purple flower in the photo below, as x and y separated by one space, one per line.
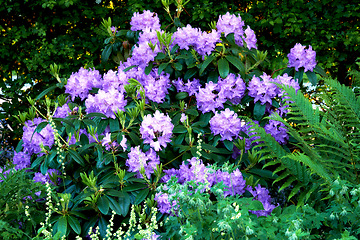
163 203
156 130
138 159
21 160
262 90
79 83
250 38
156 86
208 99
143 54
186 37
277 130
113 29
106 102
32 141
147 19
229 23
109 145
207 42
235 182
191 87
226 123
50 175
62 112
183 117
231 88
4 174
262 194
301 57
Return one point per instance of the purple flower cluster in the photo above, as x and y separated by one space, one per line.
263 90
196 171
79 83
262 194
48 177
107 102
191 87
214 95
156 130
21 160
147 19
33 140
229 23
204 43
62 112
156 86
226 123
113 79
4 173
277 130
138 159
301 57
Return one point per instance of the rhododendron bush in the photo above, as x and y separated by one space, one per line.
175 121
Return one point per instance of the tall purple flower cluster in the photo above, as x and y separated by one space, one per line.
62 112
79 83
156 86
106 102
138 159
214 95
227 124
195 170
277 130
156 130
32 141
229 23
301 57
202 42
262 194
191 87
147 19
262 89
21 160
113 79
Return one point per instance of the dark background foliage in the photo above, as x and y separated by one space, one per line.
38 33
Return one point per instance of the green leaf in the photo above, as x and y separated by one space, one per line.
134 187
124 204
256 205
207 61
229 145
74 224
76 156
114 125
62 225
299 75
40 127
190 73
106 53
37 161
178 66
134 138
181 95
141 196
162 67
103 205
236 62
46 91
114 205
91 115
148 68
259 111
179 129
192 111
223 67
312 77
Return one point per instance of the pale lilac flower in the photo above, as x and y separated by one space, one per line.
62 112
229 23
234 182
138 159
109 145
183 117
227 124
301 57
186 37
79 83
231 88
191 87
32 141
156 130
207 42
263 90
106 102
156 86
21 160
39 177
250 38
262 194
147 19
277 130
208 99
123 143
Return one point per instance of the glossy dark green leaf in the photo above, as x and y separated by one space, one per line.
259 111
134 186
134 138
124 204
62 225
74 224
103 205
76 156
162 67
140 197
114 125
299 75
190 73
312 77
192 111
114 205
149 68
236 62
204 65
223 67
179 129
229 145
91 115
40 126
106 53
46 91
181 95
37 161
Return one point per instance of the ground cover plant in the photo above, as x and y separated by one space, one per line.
193 136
